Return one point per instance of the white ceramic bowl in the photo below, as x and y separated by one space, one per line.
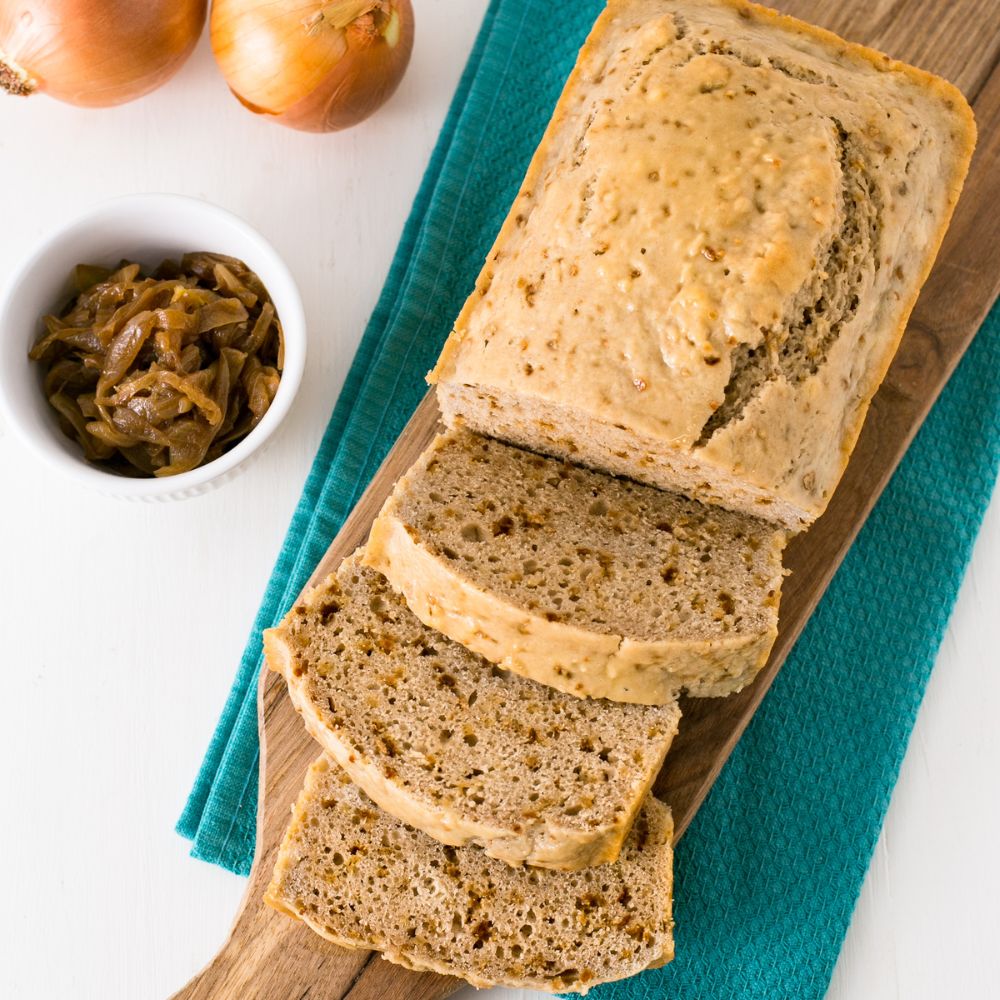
145 228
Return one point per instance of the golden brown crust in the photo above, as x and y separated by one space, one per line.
771 450
948 92
965 140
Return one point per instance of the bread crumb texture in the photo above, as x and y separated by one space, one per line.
453 744
597 585
363 879
578 547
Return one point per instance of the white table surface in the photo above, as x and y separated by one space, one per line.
104 725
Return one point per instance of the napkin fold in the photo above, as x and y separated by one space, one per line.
768 874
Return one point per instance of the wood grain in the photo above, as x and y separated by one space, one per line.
270 957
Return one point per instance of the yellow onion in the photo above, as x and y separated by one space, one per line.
315 65
95 53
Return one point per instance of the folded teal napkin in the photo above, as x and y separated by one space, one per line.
769 872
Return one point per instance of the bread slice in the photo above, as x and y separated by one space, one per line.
713 255
363 879
598 586
456 747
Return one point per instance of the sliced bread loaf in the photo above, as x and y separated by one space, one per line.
453 745
595 585
710 262
363 879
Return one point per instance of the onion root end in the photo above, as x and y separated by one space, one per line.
15 80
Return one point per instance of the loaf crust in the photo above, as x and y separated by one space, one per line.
713 255
542 624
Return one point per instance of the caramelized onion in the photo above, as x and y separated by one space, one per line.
95 52
157 375
315 65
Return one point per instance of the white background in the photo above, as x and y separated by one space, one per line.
123 624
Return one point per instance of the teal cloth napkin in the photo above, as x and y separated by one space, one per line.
770 870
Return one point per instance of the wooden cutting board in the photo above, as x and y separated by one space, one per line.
270 957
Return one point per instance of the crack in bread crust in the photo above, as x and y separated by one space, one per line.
796 348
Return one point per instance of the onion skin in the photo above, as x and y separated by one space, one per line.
95 53
279 62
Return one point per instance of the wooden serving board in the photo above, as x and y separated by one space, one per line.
270 957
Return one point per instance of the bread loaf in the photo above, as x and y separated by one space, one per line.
363 879
598 586
455 746
713 255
